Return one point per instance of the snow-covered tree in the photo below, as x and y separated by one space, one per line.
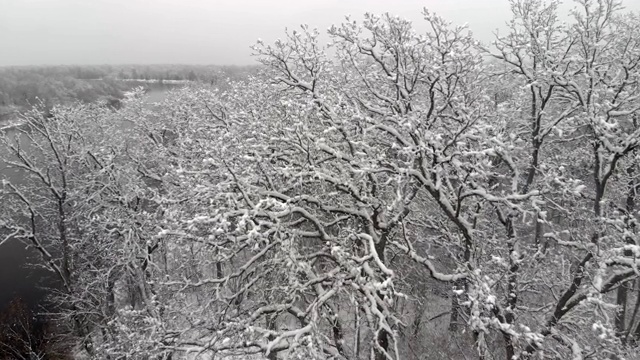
317 209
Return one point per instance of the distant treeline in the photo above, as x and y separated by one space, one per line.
22 87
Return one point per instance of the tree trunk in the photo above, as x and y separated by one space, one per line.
621 313
383 342
271 325
455 306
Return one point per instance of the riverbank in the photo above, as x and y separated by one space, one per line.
157 81
156 91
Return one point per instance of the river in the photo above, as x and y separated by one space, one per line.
17 277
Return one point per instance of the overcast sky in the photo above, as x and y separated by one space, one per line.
34 32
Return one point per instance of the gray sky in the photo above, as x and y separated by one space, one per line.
36 32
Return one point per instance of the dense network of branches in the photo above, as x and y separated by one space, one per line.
355 199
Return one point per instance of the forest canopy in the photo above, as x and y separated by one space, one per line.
387 195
